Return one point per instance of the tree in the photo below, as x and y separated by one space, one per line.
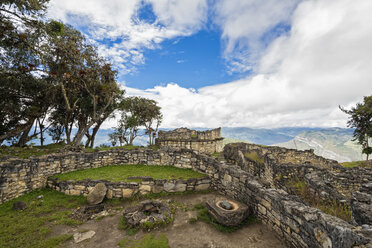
22 91
137 112
151 118
361 119
87 86
126 131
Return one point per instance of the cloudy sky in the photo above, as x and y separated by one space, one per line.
251 63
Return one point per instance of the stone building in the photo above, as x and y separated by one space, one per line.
209 141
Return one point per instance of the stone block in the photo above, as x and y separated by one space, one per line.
180 187
201 187
127 193
79 187
169 187
109 194
144 189
75 192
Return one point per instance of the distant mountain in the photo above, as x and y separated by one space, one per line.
334 143
264 136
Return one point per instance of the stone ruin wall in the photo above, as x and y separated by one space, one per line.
277 165
296 223
208 142
19 176
129 189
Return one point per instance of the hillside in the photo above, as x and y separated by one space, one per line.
332 143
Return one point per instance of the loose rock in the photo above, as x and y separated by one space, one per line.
79 237
98 194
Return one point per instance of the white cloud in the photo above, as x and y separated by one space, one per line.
119 22
324 61
247 26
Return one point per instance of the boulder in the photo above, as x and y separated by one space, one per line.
97 195
227 212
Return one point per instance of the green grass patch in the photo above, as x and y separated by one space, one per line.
107 148
255 157
331 206
117 173
30 227
26 152
357 164
204 216
147 241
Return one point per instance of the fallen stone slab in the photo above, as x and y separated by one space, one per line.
80 237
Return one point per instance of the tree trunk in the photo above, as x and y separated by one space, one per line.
23 139
14 132
68 133
89 137
79 135
41 131
94 133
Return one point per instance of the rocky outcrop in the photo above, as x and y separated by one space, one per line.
361 208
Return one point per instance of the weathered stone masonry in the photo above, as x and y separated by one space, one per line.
129 189
296 223
209 141
19 176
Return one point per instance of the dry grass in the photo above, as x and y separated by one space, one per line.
331 206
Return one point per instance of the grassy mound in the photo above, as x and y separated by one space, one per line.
118 173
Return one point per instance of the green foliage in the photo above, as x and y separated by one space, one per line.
332 206
136 112
31 227
76 86
198 206
204 216
117 173
193 220
255 157
216 154
361 119
55 28
147 241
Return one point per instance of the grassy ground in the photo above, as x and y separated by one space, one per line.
331 207
30 227
147 241
255 157
26 152
357 164
117 173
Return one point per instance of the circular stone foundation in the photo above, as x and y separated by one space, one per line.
227 212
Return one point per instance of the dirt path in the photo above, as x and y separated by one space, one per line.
181 233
